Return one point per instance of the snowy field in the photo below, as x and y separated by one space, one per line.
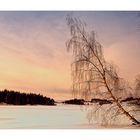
59 117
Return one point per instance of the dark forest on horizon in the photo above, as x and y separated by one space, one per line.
18 98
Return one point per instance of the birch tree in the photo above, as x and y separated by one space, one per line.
91 73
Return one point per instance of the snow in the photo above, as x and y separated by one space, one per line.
58 117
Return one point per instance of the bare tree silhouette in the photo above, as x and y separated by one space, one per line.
91 73
137 85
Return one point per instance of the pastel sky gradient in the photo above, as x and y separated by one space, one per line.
33 56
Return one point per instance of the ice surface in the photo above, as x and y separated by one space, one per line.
60 116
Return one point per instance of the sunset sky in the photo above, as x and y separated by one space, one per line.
33 56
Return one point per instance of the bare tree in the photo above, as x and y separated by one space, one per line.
91 73
137 85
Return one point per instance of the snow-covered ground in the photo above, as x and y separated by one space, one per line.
60 116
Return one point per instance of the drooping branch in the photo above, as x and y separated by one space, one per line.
88 55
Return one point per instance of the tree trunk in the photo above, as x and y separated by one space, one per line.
120 106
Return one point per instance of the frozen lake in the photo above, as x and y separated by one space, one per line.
47 117
60 116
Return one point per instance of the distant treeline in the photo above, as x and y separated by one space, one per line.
75 101
129 100
17 98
